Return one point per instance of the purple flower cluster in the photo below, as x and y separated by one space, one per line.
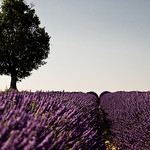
129 116
49 120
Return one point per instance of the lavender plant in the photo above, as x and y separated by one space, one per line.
128 114
49 120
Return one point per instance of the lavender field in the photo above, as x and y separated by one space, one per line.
74 120
49 120
128 116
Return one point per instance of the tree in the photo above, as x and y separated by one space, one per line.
23 44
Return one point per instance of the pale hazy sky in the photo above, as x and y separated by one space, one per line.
96 45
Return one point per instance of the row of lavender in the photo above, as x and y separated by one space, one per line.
128 114
49 120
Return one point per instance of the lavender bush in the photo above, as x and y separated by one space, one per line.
49 120
128 114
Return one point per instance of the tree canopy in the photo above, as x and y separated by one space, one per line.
23 44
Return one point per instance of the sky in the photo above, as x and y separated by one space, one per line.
96 45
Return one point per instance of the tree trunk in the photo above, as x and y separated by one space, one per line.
13 82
